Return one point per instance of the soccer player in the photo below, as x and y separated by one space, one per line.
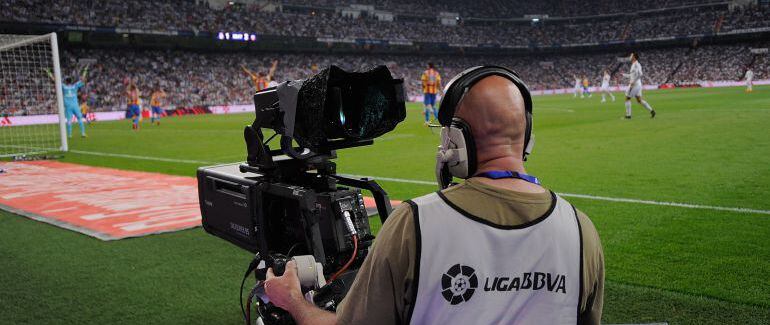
260 80
586 90
431 85
576 89
134 110
749 80
71 106
635 87
84 110
606 87
157 111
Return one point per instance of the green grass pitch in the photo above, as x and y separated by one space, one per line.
663 263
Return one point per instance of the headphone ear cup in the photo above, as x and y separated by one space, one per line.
470 147
467 169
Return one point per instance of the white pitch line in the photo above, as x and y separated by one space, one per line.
120 155
601 198
672 204
433 183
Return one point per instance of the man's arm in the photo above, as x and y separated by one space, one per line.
593 275
50 75
248 72
272 71
382 288
84 75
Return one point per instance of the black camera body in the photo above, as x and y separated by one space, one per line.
257 214
291 201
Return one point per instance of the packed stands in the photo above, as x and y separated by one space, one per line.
194 16
216 78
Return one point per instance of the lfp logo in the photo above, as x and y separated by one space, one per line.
459 283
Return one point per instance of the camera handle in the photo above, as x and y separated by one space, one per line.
380 196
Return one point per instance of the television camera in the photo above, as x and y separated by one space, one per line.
290 203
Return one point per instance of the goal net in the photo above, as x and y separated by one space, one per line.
31 107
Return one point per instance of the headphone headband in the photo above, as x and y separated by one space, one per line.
456 88
462 82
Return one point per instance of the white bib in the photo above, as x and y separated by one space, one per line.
473 272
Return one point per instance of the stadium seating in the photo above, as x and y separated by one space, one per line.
194 79
187 15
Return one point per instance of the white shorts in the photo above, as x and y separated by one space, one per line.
635 91
605 87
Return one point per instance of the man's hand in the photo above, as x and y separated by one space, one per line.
284 291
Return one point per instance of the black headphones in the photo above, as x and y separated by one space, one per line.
457 153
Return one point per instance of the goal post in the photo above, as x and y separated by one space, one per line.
32 119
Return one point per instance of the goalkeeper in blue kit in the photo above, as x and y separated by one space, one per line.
71 105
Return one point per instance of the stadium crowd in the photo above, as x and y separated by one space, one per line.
192 79
504 9
194 16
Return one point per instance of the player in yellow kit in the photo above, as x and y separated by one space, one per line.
155 105
431 85
260 80
586 88
134 110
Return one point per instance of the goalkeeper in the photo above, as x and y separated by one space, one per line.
71 106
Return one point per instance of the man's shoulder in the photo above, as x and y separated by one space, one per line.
588 231
422 200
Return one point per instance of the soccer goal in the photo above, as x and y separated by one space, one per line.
31 105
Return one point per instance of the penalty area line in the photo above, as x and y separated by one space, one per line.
602 198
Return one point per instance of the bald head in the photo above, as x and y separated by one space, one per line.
494 110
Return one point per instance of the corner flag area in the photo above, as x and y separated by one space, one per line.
105 203
101 202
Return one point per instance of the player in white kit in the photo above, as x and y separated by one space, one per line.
635 87
749 80
606 87
578 88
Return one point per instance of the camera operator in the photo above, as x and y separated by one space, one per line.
490 250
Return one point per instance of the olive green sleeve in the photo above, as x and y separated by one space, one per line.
383 286
593 273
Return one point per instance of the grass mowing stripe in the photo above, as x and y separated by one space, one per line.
682 293
600 198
